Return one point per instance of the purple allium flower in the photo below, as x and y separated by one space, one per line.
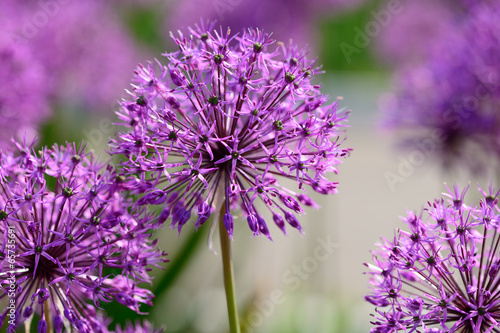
69 240
440 274
82 44
221 122
24 95
449 104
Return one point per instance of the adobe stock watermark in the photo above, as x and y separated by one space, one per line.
453 118
98 136
380 19
31 25
292 279
225 6
424 149
10 278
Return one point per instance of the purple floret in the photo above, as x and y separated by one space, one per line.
220 124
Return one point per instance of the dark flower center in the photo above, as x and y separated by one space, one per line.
67 192
218 58
431 261
289 77
75 159
257 47
141 101
213 100
278 125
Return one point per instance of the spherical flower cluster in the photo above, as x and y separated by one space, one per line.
449 103
69 240
24 95
441 273
218 125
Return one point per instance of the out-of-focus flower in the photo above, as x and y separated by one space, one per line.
284 18
406 36
441 274
222 122
69 240
24 96
82 44
449 103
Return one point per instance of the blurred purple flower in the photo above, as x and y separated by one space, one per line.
449 103
440 275
408 35
69 240
82 44
221 122
24 94
284 18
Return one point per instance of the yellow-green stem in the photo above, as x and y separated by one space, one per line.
48 318
227 265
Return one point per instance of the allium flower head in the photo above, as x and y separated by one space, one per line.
222 122
449 103
69 240
440 274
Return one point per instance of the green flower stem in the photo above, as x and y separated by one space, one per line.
48 318
225 244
